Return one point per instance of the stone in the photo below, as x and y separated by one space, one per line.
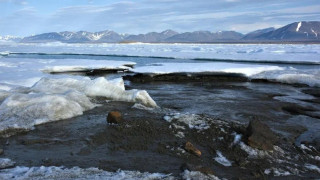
260 136
1 151
191 149
114 117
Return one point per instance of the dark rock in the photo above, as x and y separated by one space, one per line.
260 136
114 117
1 151
191 149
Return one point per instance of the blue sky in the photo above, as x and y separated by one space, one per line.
27 17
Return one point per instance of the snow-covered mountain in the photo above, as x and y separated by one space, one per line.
9 38
298 31
76 37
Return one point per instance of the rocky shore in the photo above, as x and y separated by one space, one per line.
231 129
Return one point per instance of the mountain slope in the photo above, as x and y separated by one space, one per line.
298 31
151 37
257 33
205 36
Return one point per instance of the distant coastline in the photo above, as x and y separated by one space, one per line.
304 32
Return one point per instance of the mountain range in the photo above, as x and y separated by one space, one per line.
304 31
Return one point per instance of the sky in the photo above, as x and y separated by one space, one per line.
29 17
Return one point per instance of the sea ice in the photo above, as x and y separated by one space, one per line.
289 53
55 99
27 71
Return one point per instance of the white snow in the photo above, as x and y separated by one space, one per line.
277 172
309 77
298 26
222 160
315 33
312 167
245 69
253 153
87 65
5 163
237 139
55 99
57 173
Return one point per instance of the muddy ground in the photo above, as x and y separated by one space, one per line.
144 141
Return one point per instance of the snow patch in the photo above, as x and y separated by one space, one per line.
277 172
5 163
222 160
315 33
312 167
253 153
193 121
298 26
57 173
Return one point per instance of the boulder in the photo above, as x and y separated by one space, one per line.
191 149
114 117
260 136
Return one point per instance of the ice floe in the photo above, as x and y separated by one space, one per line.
55 99
166 68
27 71
310 77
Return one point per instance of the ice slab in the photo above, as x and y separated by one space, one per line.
55 99
27 71
245 69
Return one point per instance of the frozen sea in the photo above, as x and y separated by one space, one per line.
45 82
